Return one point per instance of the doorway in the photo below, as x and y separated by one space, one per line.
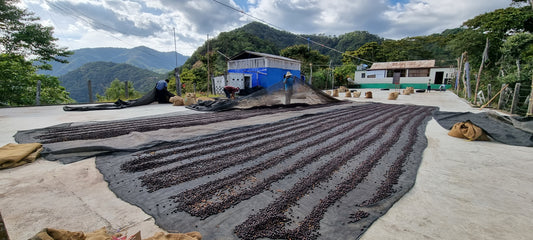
396 77
247 82
439 76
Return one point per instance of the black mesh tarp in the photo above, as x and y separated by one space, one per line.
505 129
148 98
303 94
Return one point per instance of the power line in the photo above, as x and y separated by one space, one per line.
280 28
67 10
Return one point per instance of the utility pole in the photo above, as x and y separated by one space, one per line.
176 70
175 47
311 76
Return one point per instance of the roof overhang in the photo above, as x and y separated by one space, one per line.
249 54
403 65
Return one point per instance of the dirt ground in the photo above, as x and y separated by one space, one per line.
464 190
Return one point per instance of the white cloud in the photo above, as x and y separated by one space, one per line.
130 23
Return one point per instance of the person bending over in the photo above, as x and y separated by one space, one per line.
162 95
230 91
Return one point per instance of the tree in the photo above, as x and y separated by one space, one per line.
18 83
517 54
503 22
24 42
369 52
117 90
517 2
306 56
342 74
21 35
322 78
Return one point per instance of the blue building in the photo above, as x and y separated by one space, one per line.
260 69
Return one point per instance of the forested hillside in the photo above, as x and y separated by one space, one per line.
102 74
259 37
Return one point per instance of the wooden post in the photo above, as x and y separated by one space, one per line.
485 53
467 87
489 91
500 100
515 98
89 86
530 107
38 94
458 76
126 93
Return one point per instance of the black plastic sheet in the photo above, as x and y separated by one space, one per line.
516 131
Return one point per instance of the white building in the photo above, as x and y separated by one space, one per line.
404 74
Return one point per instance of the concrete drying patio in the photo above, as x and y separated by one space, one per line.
464 190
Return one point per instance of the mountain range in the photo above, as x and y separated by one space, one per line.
102 74
142 57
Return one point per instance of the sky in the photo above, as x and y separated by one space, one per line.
184 25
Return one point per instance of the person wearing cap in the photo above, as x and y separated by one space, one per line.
288 80
230 91
162 95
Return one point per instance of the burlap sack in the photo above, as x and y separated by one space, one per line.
328 92
356 94
176 101
406 92
335 93
393 95
348 94
14 155
102 234
190 98
412 89
368 95
58 234
343 89
469 131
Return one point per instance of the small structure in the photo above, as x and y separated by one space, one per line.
404 74
250 69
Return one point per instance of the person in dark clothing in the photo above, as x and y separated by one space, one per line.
162 95
230 91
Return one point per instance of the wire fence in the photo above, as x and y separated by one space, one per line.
514 98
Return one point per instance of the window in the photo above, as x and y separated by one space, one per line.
371 76
390 73
423 72
363 75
